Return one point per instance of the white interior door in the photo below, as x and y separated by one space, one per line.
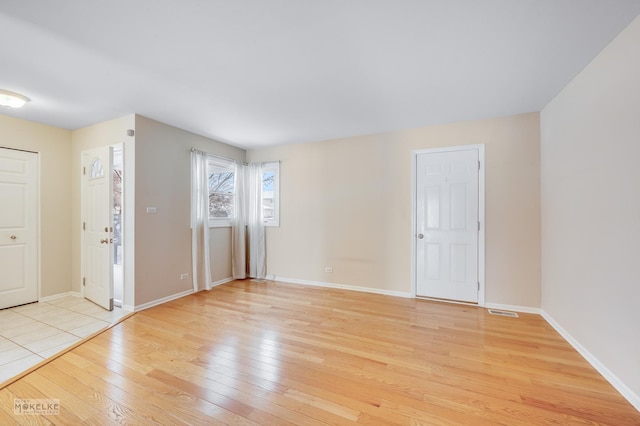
18 227
447 225
97 247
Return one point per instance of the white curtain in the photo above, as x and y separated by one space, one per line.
238 228
201 269
248 250
255 221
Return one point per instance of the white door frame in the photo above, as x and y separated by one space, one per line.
481 201
128 222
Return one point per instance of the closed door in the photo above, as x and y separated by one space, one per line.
18 227
97 241
447 225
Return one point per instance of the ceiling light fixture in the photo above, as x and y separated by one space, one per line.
12 99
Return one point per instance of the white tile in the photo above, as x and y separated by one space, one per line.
6 344
15 321
89 329
42 332
109 316
51 342
34 309
12 354
26 308
52 351
22 327
18 366
89 309
66 302
9 315
48 315
78 322
46 329
32 334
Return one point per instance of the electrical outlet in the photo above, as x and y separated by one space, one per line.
328 269
184 276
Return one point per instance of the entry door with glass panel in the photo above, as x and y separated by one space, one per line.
97 224
447 225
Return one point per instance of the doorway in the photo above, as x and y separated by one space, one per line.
448 224
102 226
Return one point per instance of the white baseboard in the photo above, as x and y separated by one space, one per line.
344 287
631 396
514 308
166 299
60 296
161 300
220 282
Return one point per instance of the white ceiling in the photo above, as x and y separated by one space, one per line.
254 73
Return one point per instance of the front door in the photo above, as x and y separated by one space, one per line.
18 227
447 225
97 241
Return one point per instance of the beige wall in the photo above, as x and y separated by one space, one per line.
591 208
220 253
346 203
54 148
163 240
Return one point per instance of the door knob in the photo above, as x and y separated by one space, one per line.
13 237
105 241
420 236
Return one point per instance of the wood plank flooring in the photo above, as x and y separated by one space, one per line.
281 354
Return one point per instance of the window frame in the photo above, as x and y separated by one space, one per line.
229 165
273 166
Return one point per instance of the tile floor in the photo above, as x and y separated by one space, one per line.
34 332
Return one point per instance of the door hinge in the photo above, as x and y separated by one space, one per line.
84 281
478 225
478 285
478 164
84 226
84 170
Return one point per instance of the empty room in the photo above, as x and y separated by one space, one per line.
325 212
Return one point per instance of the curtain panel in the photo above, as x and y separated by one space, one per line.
238 228
248 234
201 268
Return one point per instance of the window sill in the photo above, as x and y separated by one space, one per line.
228 224
220 223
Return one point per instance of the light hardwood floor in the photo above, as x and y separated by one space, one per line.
276 354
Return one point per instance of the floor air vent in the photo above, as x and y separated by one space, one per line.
503 313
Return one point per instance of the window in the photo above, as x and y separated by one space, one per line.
221 191
96 170
271 193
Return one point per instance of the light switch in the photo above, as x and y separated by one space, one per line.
152 210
